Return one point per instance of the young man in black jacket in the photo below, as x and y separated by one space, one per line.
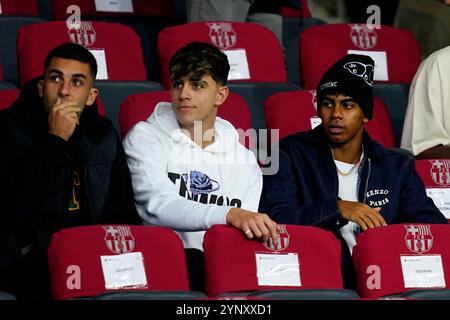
62 165
337 178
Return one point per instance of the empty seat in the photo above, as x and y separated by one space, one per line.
105 40
305 258
9 28
393 259
395 51
249 47
90 260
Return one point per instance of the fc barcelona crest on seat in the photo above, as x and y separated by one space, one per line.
418 238
119 239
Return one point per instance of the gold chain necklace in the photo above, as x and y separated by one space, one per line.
349 171
354 166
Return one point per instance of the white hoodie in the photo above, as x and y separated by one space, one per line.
178 184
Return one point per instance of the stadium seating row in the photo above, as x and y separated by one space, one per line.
143 262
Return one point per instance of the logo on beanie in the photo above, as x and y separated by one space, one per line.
364 71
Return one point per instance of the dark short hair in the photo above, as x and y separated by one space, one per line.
197 59
73 51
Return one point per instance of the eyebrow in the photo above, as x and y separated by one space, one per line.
75 75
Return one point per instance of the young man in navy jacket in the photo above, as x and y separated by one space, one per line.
336 177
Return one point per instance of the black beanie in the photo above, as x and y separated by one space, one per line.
352 75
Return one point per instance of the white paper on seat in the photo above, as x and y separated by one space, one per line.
423 271
114 6
315 121
102 69
124 271
441 198
278 269
381 67
238 64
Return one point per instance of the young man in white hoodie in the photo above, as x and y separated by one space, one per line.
188 169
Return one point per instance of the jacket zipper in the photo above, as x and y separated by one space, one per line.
367 180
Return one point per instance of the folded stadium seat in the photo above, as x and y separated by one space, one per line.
295 21
292 28
427 294
249 47
6 296
151 295
435 174
395 97
90 260
6 85
19 8
105 7
256 94
138 107
105 40
393 259
306 294
9 28
302 11
305 258
112 93
295 111
395 51
7 97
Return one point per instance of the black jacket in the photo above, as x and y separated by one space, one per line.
37 172
305 189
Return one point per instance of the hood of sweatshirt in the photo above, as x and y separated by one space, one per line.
164 119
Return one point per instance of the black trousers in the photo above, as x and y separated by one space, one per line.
196 269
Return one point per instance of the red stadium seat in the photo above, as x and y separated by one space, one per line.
295 111
435 174
232 260
258 43
140 7
7 97
396 258
75 259
35 41
138 107
19 8
321 46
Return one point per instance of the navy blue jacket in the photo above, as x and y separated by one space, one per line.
305 189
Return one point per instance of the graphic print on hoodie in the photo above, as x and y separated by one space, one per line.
200 189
